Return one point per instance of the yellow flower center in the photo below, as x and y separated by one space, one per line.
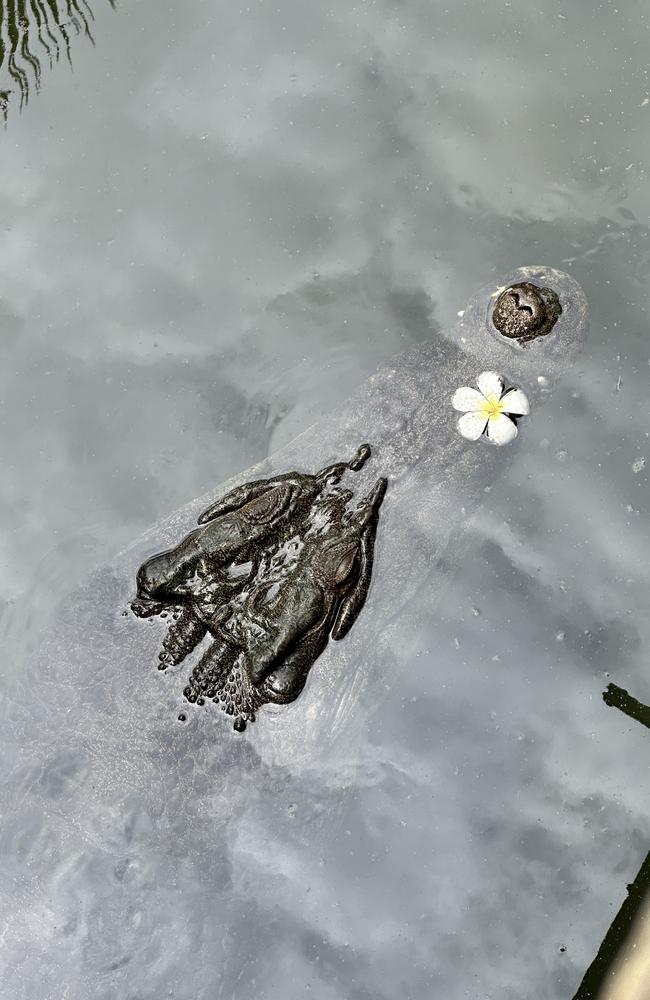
492 408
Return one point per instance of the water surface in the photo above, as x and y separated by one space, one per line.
215 222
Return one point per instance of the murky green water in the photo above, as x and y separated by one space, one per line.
215 221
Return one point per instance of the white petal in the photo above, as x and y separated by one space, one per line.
490 384
465 399
515 401
501 429
472 425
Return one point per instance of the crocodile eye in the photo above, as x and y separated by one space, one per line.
337 564
266 507
345 567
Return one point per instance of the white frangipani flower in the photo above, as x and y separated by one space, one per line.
490 409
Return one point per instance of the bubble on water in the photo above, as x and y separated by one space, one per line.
561 455
638 464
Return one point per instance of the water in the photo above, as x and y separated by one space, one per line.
212 230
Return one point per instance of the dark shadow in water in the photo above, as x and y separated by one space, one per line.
637 893
33 32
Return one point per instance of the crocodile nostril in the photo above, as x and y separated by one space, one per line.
524 308
526 311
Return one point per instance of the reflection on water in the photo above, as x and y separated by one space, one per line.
621 969
630 977
618 697
34 31
211 232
